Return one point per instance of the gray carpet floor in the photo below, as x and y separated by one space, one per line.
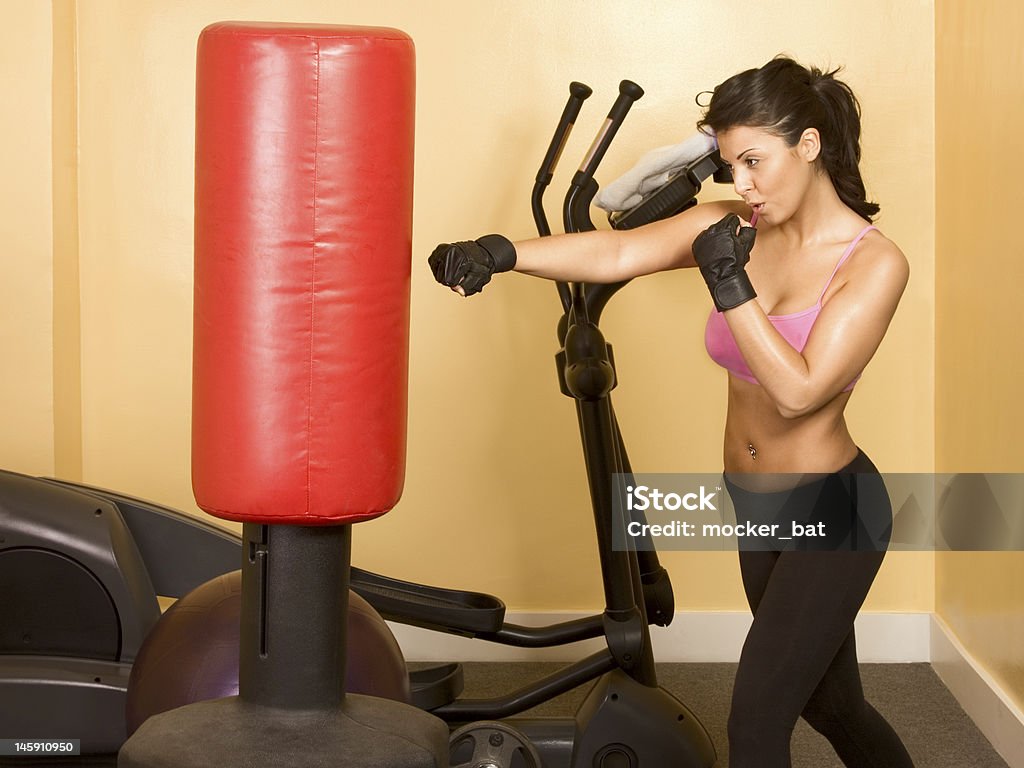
936 731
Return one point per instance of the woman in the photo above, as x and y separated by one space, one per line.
801 305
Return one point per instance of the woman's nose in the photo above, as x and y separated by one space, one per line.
741 181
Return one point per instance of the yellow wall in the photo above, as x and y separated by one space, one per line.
979 113
500 495
26 218
67 309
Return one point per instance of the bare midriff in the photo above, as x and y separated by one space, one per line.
758 439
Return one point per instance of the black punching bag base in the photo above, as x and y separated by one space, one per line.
226 733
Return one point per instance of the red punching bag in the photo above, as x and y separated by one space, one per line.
304 141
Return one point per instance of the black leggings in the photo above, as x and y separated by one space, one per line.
800 656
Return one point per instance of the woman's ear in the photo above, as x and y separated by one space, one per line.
809 145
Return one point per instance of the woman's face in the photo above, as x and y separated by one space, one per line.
769 175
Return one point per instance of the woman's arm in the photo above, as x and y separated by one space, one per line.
608 256
847 333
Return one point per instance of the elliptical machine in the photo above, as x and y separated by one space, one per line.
80 572
627 720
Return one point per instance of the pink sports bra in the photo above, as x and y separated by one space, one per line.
794 328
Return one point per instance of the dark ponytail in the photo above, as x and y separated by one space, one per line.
786 98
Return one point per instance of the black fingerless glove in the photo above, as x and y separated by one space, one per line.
721 255
470 263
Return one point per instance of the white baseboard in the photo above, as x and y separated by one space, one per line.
693 636
997 716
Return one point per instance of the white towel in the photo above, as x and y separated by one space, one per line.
651 171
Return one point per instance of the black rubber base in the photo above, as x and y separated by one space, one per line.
366 732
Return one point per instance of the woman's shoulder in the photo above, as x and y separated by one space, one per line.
877 265
879 253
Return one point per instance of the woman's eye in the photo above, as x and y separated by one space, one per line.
751 162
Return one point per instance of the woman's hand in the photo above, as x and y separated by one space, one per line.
721 253
467 266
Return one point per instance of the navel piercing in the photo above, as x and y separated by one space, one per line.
753 451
